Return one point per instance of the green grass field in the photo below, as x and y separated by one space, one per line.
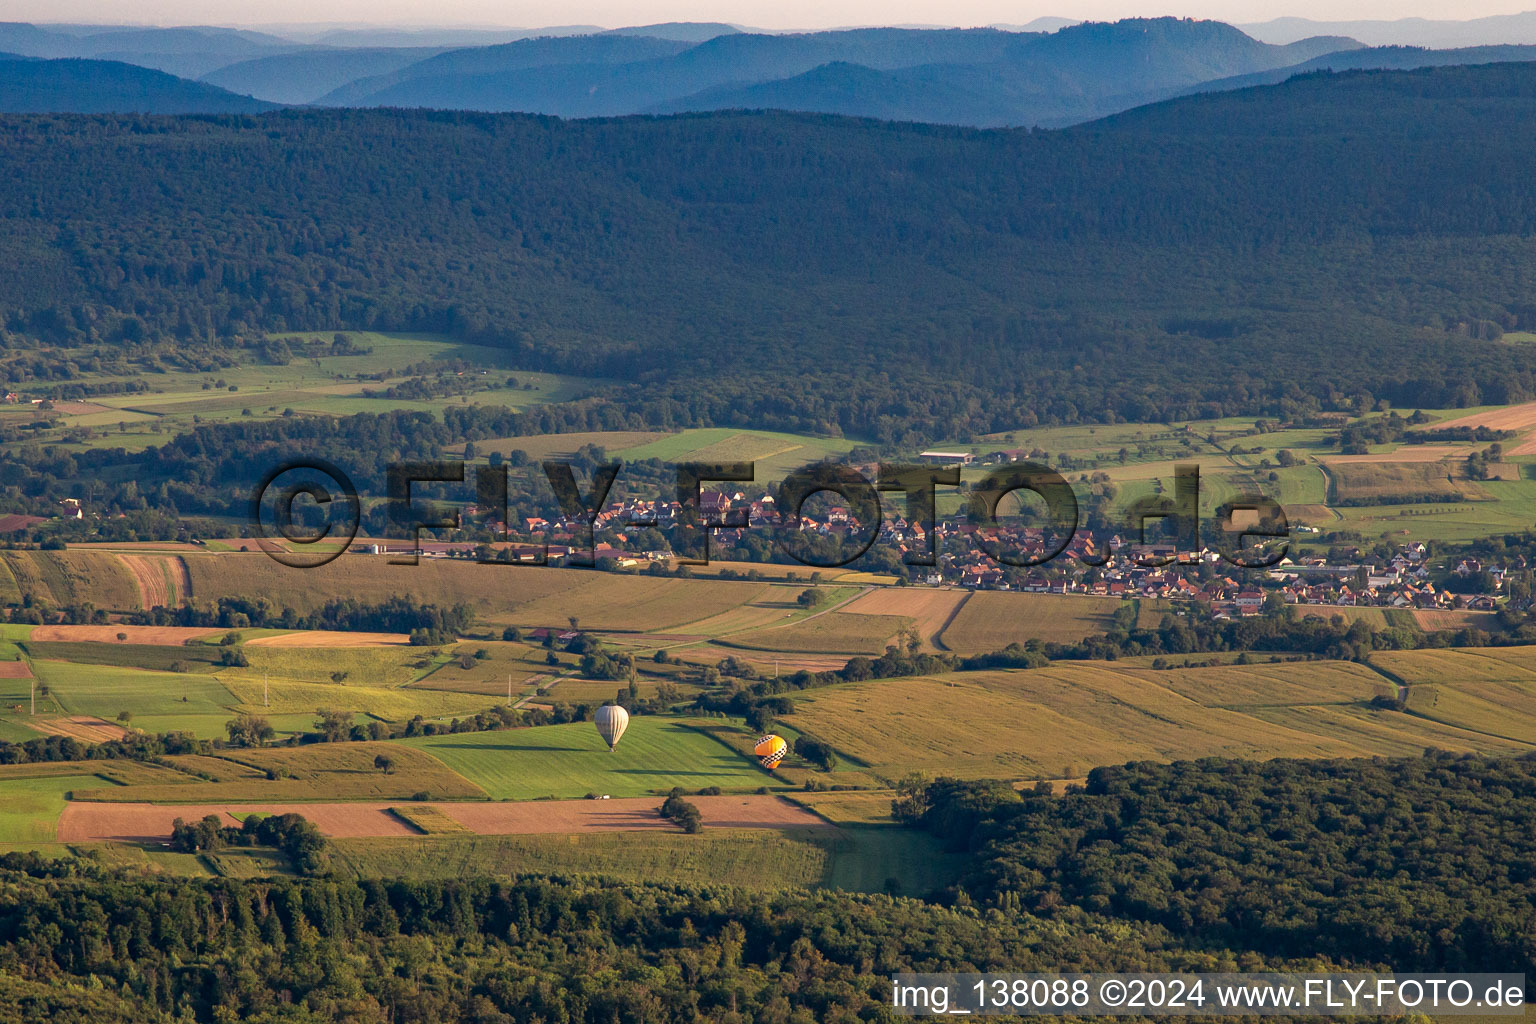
105 690
30 807
565 761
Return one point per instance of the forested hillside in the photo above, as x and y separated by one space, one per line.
1368 232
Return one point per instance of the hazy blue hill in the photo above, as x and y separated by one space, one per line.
185 52
306 75
103 87
1076 74
459 77
590 87
682 31
373 38
1496 30
31 41
1401 58
851 89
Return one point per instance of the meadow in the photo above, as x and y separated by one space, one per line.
564 761
329 385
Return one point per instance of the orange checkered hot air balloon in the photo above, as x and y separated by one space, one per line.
770 750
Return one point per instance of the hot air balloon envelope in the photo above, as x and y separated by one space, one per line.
611 721
770 750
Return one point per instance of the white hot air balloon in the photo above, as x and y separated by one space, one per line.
611 721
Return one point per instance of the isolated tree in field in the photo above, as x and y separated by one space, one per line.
125 717
810 598
122 636
249 731
385 764
334 725
575 621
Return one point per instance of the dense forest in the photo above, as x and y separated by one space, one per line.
1367 232
1420 863
77 944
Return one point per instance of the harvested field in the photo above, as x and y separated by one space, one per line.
15 670
930 609
1405 481
142 822
371 578
330 638
158 635
991 620
85 728
163 581
1509 417
566 816
1431 619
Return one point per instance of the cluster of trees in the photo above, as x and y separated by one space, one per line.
400 613
1417 863
678 810
293 835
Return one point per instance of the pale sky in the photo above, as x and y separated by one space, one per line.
781 14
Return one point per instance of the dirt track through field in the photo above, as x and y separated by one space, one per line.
165 636
102 822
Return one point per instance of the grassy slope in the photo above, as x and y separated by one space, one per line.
654 755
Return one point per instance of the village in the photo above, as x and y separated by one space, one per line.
1106 566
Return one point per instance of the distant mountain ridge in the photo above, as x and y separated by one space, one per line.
981 77
71 85
1497 30
1063 74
